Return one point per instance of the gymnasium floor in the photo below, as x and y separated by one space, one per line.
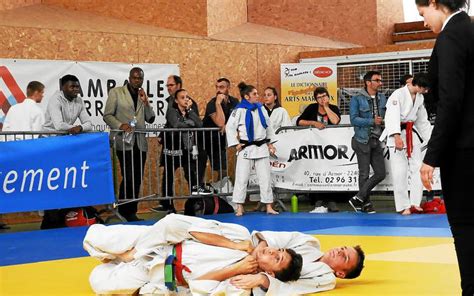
411 255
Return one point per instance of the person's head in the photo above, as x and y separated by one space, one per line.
421 83
283 264
223 86
372 81
248 92
346 262
35 91
320 95
406 79
435 12
181 98
270 97
174 83
70 86
135 78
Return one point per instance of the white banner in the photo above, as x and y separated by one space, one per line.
96 79
322 160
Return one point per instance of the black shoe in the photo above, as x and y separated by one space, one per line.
332 207
368 208
132 218
356 203
160 209
199 190
4 226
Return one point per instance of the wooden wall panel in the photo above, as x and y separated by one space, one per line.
11 4
225 14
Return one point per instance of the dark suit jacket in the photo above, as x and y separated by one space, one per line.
451 70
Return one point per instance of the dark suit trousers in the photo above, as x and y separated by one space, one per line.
132 165
457 175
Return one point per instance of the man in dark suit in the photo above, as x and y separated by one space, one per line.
127 107
451 146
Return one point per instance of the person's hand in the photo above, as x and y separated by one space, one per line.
271 149
239 147
245 246
378 120
245 266
398 142
220 98
326 102
189 105
143 97
75 130
426 173
248 281
319 125
126 127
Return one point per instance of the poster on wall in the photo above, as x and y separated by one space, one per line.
95 78
298 82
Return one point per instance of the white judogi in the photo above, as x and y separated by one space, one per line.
279 118
401 108
26 116
250 156
154 244
104 241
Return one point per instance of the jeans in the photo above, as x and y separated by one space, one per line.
370 154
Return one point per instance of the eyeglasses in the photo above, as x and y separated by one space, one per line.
377 80
321 97
170 85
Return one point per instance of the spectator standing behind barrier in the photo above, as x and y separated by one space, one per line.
218 111
62 112
127 105
319 115
367 111
180 148
65 107
406 129
451 146
26 116
248 130
278 115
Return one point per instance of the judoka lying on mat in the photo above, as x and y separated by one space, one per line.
146 248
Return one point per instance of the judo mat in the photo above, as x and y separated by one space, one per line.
405 255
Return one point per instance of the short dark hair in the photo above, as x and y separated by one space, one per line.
452 5
178 91
66 78
368 76
293 271
320 90
404 78
33 87
245 89
177 79
421 80
275 93
136 69
359 266
224 79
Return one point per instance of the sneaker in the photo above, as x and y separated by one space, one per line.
319 210
332 207
199 190
4 226
368 208
160 209
356 203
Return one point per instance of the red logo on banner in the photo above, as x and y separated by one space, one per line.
13 91
322 72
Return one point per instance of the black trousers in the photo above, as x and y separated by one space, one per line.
132 165
194 170
457 175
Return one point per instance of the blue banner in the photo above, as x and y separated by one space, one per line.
55 172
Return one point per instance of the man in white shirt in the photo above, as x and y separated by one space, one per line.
26 116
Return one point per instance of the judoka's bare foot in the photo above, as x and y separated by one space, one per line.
270 210
240 211
406 212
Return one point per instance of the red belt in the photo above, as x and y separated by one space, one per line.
408 126
179 267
